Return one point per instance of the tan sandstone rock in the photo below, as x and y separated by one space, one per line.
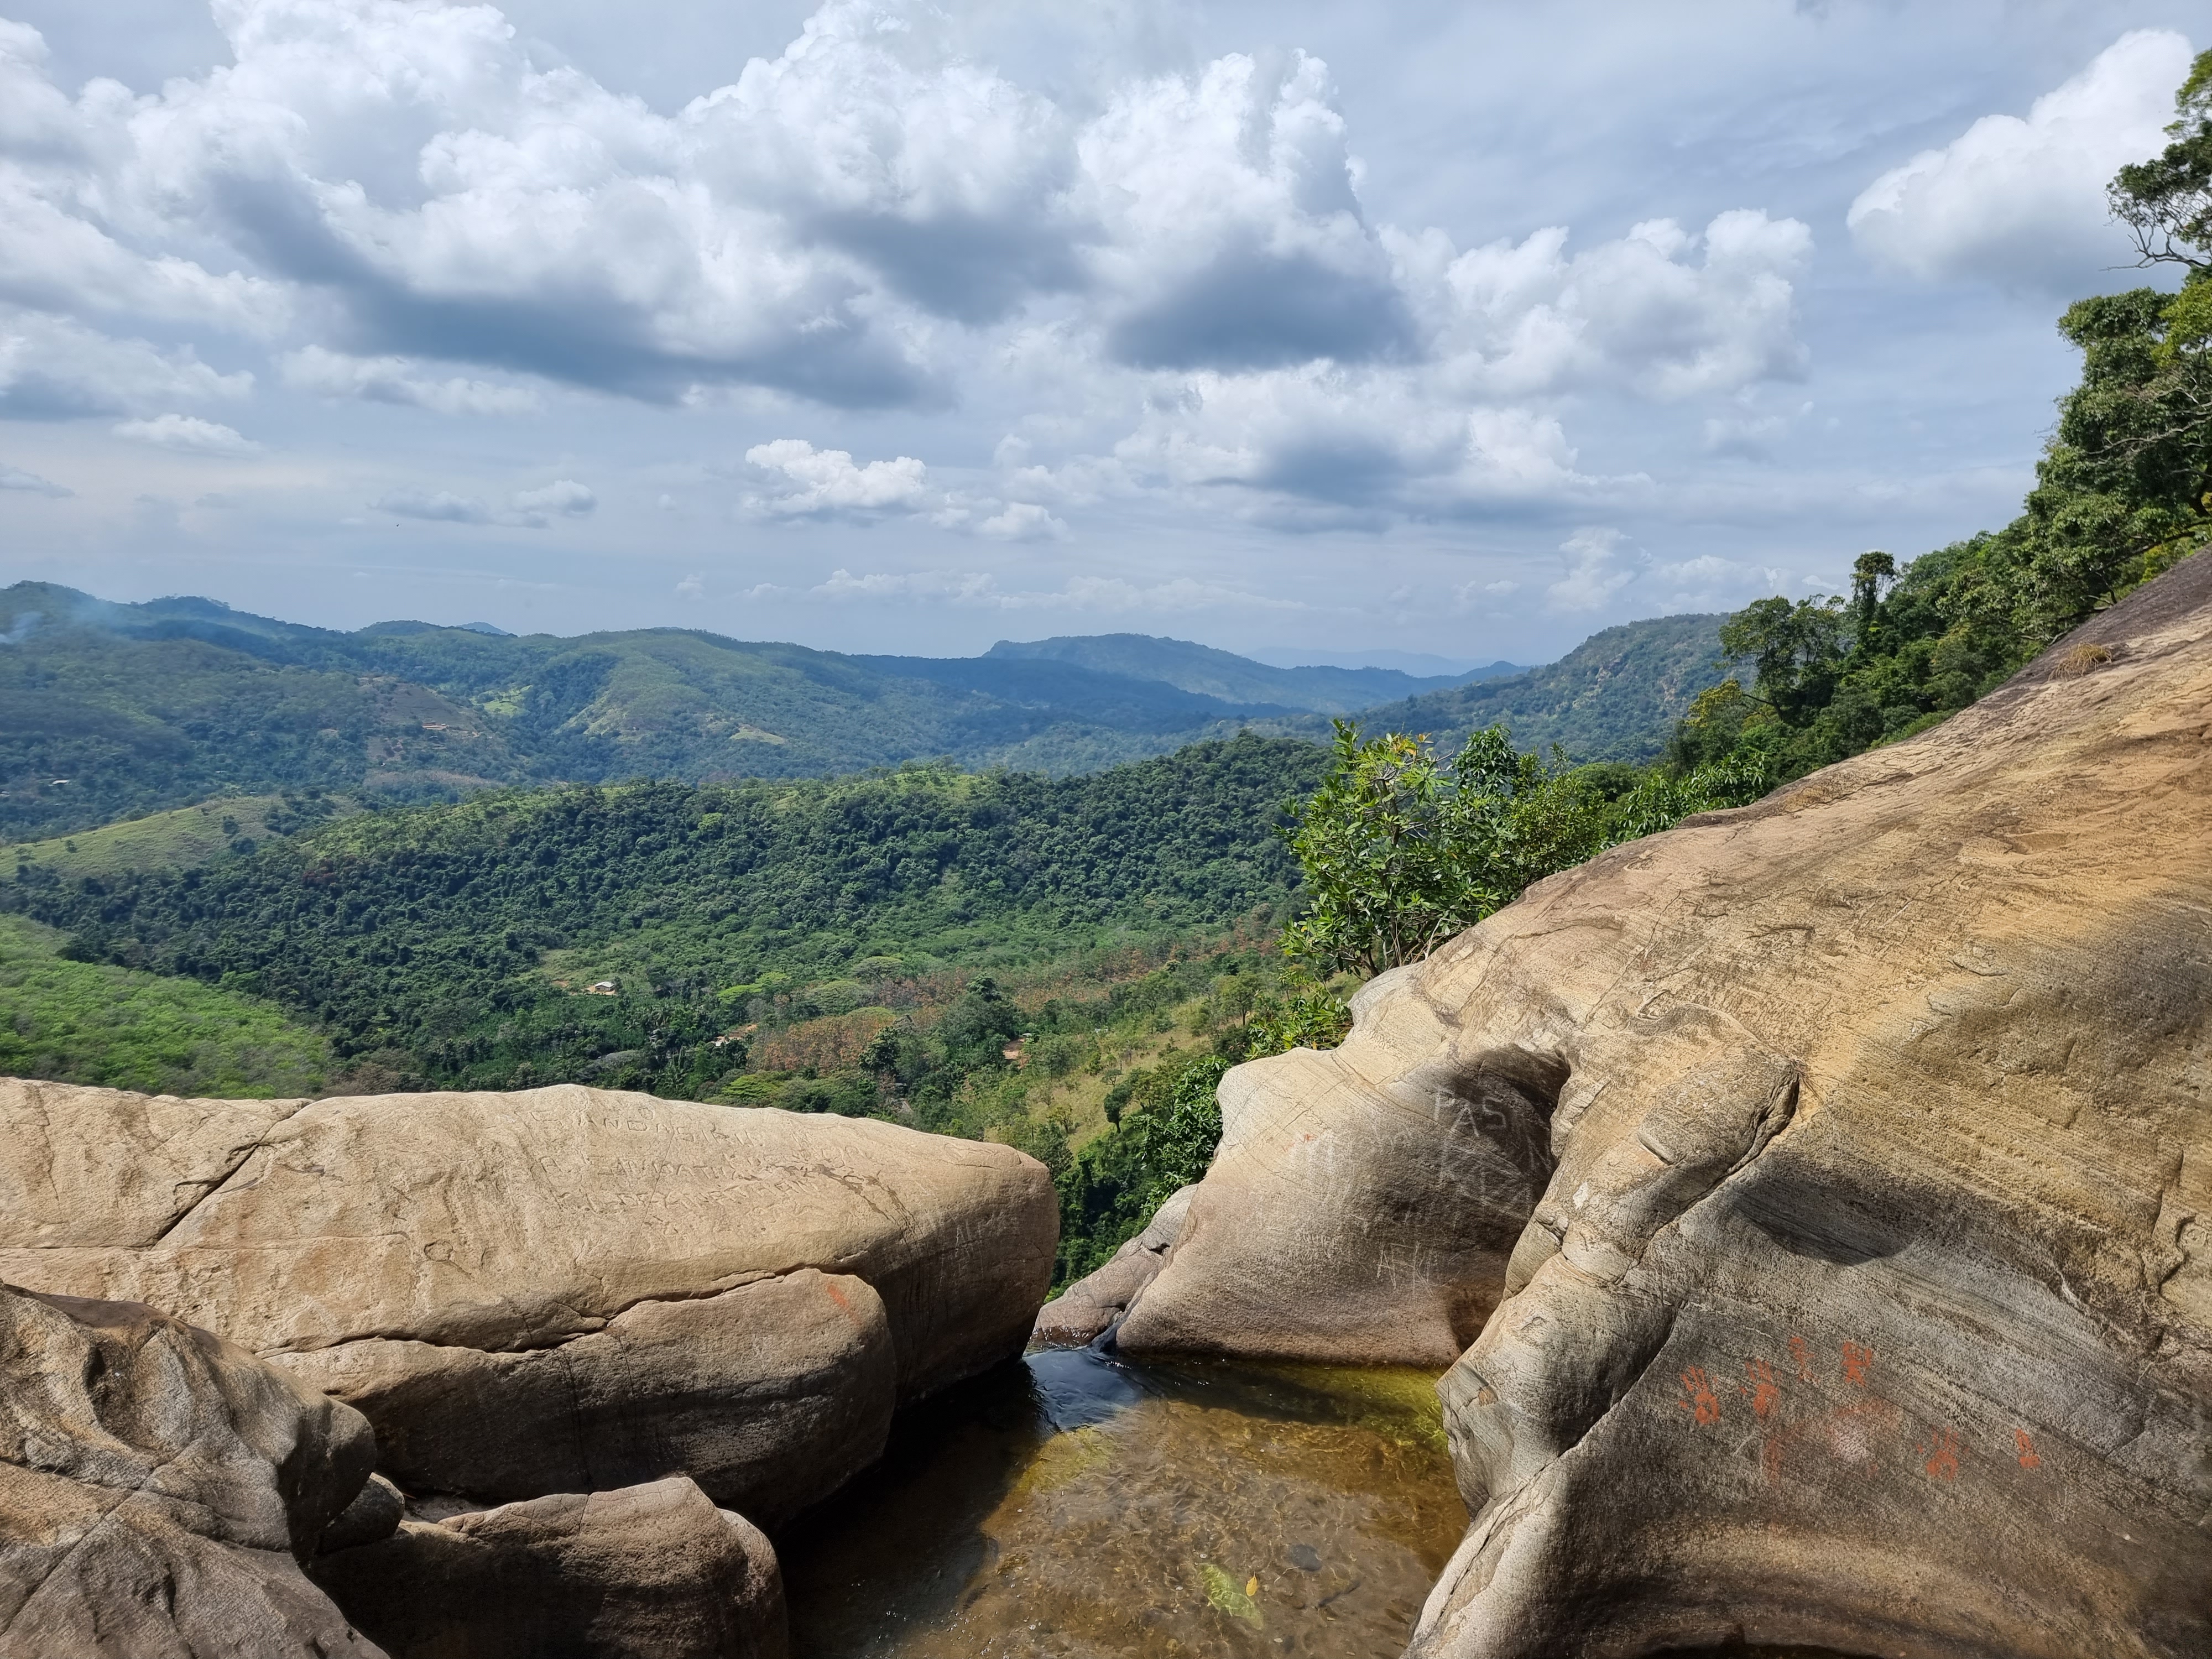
158 1487
558 1289
1088 1307
767 1396
1863 1143
653 1571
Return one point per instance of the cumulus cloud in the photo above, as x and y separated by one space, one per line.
437 506
1176 269
528 510
15 477
1597 570
1662 312
188 434
54 368
1023 521
827 483
403 381
981 590
563 496
1354 439
2021 203
1234 239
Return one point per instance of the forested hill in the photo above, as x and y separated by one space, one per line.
112 711
438 932
1616 696
1209 673
107 710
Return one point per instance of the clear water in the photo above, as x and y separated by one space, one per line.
1073 1506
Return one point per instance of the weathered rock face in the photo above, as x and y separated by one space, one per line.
1863 1143
767 1396
654 1571
555 1289
158 1487
1087 1308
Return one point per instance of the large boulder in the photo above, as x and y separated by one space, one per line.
1087 1310
1825 1187
653 1571
159 1488
552 1291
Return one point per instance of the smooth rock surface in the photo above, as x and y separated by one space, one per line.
653 1571
158 1487
767 1395
1086 1309
437 1255
1864 1142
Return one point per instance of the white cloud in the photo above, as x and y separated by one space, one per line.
403 381
827 483
1023 521
944 586
1660 311
980 590
53 367
1233 237
439 507
13 478
693 586
564 496
1596 571
2021 203
188 434
530 509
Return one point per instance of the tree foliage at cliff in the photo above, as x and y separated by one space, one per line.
2123 491
1402 847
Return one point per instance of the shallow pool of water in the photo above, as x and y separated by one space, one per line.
1074 1506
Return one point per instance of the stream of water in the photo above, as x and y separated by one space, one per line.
1080 1508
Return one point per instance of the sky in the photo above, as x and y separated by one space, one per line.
1328 332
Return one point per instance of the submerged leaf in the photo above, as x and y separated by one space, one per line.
1221 1591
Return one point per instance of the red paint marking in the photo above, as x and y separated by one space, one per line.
1698 1396
2028 1460
1943 1456
1855 1361
1801 1355
1764 1393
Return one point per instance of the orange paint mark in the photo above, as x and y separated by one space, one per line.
1698 1396
1855 1361
1943 1456
1764 1393
1801 1355
2028 1460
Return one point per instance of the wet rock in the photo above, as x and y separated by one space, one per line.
561 1289
1086 1309
651 1572
158 1487
1838 1169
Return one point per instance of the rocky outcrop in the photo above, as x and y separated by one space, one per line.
555 1291
1088 1307
158 1488
1824 1188
767 1396
651 1572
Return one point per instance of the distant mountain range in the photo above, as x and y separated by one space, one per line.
108 710
1207 673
